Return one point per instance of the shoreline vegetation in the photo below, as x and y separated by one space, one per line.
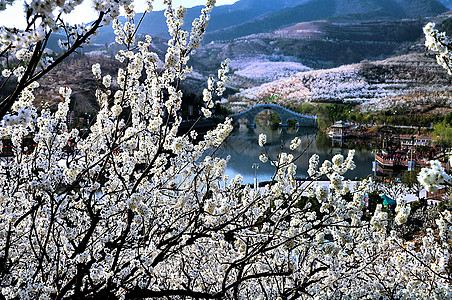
435 125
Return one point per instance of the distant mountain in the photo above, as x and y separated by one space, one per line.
221 17
246 17
244 10
331 9
446 3
399 9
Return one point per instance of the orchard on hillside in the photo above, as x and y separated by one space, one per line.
140 211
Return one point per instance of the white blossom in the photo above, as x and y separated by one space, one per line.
6 73
295 143
402 210
206 112
262 139
431 178
96 71
106 81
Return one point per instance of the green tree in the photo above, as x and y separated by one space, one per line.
442 134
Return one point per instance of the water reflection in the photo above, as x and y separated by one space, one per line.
242 146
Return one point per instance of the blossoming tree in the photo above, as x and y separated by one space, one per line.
141 211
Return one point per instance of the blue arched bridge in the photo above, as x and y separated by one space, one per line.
283 113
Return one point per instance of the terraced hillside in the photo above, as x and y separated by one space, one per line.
413 81
317 44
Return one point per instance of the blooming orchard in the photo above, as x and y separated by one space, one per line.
142 211
400 82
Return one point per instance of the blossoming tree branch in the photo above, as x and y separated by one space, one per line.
141 211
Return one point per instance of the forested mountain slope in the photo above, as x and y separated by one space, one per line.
247 17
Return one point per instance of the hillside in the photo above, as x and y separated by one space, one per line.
317 45
278 57
222 16
246 17
331 9
446 3
76 73
413 81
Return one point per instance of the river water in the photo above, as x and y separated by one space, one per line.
243 149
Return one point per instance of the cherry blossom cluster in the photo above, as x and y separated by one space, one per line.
440 44
435 176
402 211
43 16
